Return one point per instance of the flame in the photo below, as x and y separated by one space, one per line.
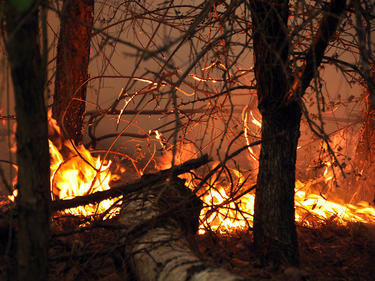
80 174
225 215
77 172
225 211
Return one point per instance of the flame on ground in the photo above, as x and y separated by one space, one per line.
76 172
81 174
223 214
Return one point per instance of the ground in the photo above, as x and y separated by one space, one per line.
328 252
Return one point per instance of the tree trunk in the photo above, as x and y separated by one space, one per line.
365 152
28 74
157 226
73 52
275 235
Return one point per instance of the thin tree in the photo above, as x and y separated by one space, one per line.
73 53
28 70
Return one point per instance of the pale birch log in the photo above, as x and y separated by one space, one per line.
156 245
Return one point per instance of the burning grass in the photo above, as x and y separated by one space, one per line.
227 195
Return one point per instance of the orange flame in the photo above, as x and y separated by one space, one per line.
80 174
222 214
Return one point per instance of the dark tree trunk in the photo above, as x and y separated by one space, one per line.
28 74
275 235
73 52
365 152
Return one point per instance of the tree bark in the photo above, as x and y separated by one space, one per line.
28 74
155 240
73 52
275 235
365 151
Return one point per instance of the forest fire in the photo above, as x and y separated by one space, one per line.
144 84
226 212
80 173
223 214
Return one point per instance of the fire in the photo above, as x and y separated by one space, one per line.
223 214
77 172
225 211
80 174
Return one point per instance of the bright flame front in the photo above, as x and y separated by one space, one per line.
80 174
223 214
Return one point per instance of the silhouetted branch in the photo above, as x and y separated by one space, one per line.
143 183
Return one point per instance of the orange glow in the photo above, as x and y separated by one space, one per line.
246 129
77 172
224 215
80 174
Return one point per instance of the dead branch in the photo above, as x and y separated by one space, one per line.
314 56
145 181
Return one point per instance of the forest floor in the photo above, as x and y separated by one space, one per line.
327 252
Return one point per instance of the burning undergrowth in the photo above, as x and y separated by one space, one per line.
336 228
226 189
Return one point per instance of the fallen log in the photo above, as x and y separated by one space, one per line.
144 182
156 233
